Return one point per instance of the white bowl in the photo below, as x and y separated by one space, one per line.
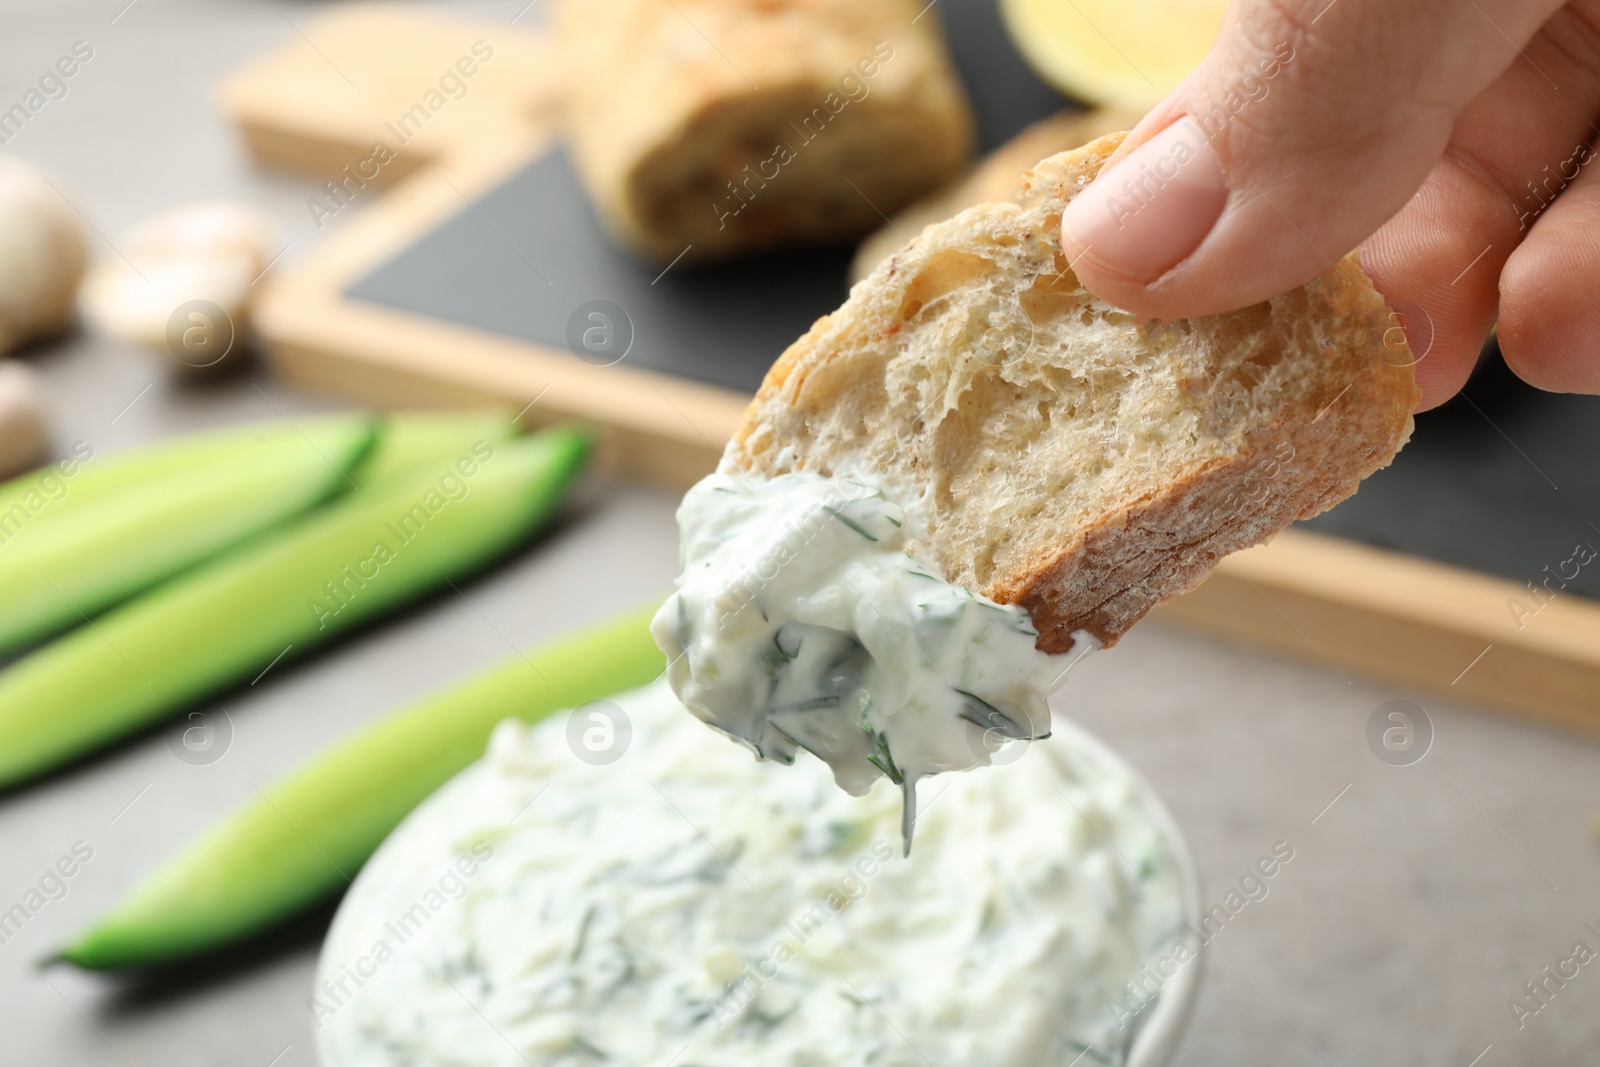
1162 1029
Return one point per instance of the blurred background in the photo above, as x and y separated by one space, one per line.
1430 883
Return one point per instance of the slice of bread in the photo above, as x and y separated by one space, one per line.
1054 452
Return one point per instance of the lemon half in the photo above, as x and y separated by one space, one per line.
1124 52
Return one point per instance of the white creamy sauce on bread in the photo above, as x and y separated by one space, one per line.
800 622
686 905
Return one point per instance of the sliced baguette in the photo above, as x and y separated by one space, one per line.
1055 453
709 129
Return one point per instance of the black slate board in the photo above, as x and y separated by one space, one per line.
536 254
1504 480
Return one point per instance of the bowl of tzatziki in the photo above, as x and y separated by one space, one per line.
620 885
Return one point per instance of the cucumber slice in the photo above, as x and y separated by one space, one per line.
84 476
412 438
307 835
223 622
121 528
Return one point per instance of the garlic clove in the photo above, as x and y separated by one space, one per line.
24 431
42 255
185 288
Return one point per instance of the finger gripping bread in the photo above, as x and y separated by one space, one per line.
1055 453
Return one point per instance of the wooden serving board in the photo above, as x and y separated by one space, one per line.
462 283
367 73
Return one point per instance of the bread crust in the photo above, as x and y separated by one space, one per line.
1287 405
734 126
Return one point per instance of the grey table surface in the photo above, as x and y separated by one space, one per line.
1418 902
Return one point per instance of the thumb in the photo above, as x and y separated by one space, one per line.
1307 127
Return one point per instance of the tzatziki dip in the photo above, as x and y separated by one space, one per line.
800 622
669 901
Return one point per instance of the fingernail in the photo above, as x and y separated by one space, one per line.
1150 211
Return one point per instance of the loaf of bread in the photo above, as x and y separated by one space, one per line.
723 127
997 178
1056 453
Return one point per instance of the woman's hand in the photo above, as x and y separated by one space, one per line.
1449 139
